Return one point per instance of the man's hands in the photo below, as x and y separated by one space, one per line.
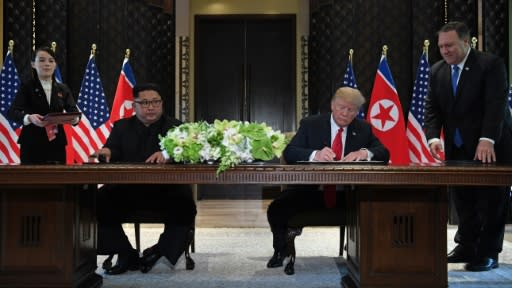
359 155
102 155
326 154
485 152
156 157
436 149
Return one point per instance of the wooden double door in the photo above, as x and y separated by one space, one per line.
245 70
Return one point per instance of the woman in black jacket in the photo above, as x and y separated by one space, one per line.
41 141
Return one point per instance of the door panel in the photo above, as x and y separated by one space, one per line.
245 70
219 69
271 72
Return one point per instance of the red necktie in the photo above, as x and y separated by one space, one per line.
330 190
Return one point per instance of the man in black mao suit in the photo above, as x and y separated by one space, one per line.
468 99
132 140
312 142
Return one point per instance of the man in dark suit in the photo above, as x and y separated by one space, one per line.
468 99
352 140
135 139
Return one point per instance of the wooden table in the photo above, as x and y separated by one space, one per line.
396 218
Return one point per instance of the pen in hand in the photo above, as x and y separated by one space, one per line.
101 157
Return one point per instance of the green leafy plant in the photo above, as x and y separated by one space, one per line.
226 142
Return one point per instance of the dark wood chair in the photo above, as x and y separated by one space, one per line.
144 216
314 218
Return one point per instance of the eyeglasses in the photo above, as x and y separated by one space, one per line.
146 103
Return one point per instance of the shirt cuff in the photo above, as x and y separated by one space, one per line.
430 141
487 139
370 154
25 120
166 155
312 156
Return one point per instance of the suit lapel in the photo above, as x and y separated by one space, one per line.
40 96
352 139
448 98
325 131
465 73
56 98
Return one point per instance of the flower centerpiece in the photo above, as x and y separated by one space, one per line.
227 142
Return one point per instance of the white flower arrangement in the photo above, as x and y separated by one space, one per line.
227 142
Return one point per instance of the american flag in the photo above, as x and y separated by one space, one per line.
9 130
123 100
419 151
70 152
510 98
93 129
58 75
349 79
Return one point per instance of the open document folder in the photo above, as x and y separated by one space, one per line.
61 118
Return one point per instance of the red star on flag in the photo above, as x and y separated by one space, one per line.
384 112
385 115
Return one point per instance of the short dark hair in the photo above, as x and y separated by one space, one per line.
45 49
145 87
460 28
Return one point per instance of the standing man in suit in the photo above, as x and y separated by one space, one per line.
132 140
352 140
468 99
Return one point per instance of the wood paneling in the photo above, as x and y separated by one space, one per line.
375 242
48 237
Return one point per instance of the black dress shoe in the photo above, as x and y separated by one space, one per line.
149 258
482 264
125 261
276 260
461 254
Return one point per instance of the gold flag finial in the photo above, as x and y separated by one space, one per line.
350 54
385 50
426 43
11 46
54 46
474 40
93 49
127 54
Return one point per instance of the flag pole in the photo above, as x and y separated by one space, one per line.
127 54
474 40
426 43
54 46
11 46
93 49
350 54
385 50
